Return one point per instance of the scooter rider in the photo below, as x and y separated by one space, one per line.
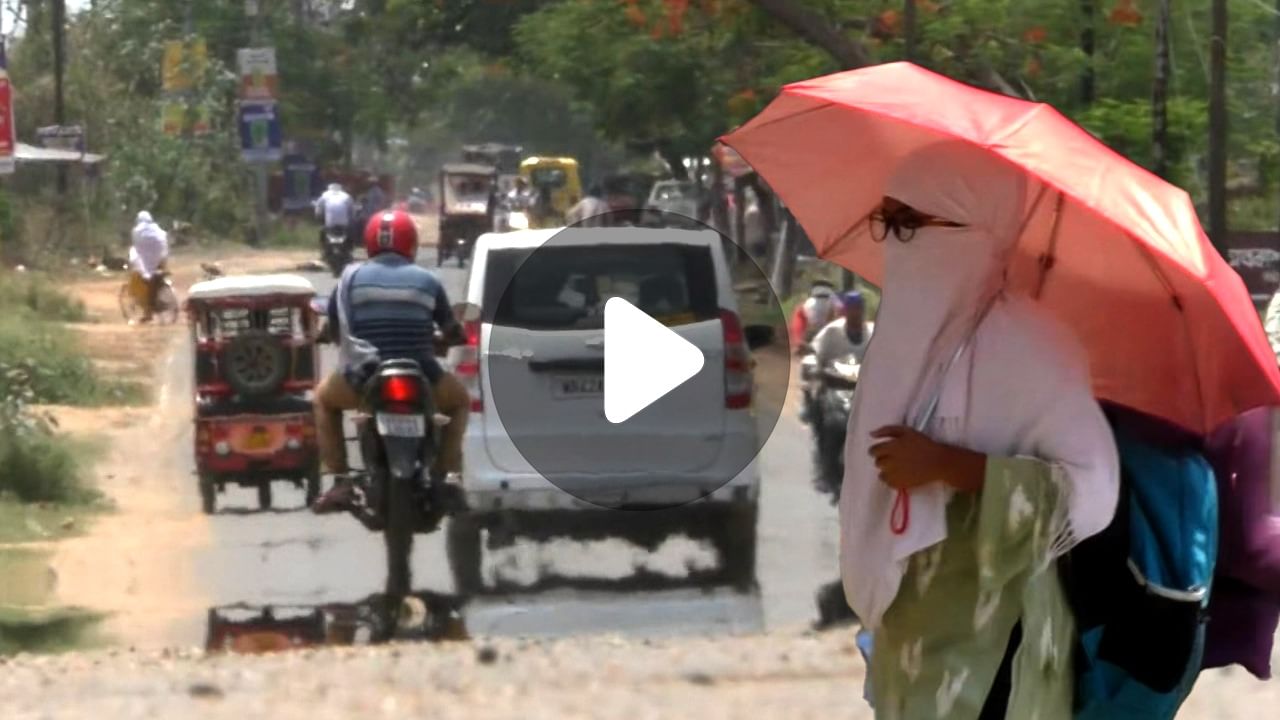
335 209
820 308
843 337
387 309
846 336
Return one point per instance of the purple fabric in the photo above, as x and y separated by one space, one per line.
1244 607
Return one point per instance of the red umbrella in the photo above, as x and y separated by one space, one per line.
1114 250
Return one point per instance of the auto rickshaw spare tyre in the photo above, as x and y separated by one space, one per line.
208 495
255 363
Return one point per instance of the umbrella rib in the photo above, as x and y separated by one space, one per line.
1047 259
1177 304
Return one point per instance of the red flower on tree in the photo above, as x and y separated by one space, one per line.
1124 14
1035 35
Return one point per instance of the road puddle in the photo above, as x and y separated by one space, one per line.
30 622
256 629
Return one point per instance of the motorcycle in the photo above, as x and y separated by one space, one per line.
399 434
833 403
337 251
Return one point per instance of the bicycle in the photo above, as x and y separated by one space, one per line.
167 305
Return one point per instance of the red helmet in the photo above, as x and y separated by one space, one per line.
391 231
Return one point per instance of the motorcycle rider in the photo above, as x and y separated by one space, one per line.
148 256
846 336
335 208
387 308
843 337
820 308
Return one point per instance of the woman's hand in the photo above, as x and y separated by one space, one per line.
908 459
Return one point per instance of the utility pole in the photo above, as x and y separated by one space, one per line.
259 168
1218 127
1088 12
909 29
59 18
1160 91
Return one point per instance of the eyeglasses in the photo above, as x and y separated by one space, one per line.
903 221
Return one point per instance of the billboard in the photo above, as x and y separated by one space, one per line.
258 77
184 62
261 139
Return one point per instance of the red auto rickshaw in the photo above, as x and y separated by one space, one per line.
254 340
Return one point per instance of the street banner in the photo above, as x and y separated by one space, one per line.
261 140
62 137
173 118
8 141
301 183
258 78
184 62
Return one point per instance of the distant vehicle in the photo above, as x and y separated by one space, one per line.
675 196
506 158
468 202
337 250
508 496
556 187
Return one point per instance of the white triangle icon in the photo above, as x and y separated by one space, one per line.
643 360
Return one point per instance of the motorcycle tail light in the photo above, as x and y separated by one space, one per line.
401 390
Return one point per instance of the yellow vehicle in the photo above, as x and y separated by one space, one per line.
555 186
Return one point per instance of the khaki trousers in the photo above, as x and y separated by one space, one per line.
335 394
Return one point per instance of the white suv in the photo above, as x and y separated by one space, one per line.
688 456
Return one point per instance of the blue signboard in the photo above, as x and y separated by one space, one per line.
301 183
261 139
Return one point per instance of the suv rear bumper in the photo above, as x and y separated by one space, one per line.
503 491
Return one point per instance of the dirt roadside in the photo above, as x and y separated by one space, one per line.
128 554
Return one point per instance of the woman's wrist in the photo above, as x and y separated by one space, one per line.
966 469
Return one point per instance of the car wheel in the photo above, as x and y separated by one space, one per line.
208 495
733 533
255 363
466 553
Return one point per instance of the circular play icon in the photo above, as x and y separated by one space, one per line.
632 367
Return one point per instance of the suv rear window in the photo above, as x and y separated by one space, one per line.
565 288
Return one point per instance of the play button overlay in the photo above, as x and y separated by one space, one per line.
643 360
628 367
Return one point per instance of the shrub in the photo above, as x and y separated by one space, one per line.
36 465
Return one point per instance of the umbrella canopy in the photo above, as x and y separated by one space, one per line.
1115 251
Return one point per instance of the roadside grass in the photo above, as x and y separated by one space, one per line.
48 630
46 472
59 371
299 235
35 293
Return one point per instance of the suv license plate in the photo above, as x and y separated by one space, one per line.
574 386
406 426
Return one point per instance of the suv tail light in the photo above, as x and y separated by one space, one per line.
737 363
468 367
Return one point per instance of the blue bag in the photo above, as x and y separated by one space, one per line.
1140 589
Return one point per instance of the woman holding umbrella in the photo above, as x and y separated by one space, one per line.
1026 269
1015 463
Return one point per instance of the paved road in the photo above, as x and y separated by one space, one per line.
290 557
